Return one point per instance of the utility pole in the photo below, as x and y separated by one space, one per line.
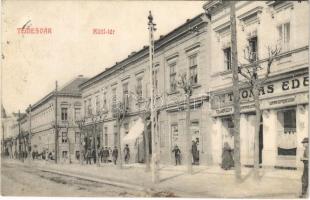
188 135
155 173
118 123
56 126
3 148
19 142
81 124
236 99
146 143
30 135
95 140
21 155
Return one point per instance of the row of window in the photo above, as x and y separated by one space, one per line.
64 114
286 128
193 71
283 42
42 117
104 136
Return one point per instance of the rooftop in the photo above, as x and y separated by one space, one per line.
71 88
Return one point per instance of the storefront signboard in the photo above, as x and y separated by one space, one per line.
278 94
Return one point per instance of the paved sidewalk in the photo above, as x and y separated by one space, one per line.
204 182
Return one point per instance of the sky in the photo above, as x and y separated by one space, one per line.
31 63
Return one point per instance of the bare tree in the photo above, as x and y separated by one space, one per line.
255 78
120 114
146 119
145 114
186 85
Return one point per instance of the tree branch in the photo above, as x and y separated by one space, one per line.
244 75
272 53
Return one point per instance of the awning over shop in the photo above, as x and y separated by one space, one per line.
134 132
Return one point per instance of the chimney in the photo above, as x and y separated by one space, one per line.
80 76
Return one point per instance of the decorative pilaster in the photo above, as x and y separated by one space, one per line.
270 138
302 129
216 138
243 139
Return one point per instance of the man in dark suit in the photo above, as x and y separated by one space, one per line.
177 155
115 155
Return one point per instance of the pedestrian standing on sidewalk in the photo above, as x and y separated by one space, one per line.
127 153
304 159
110 154
194 152
88 157
115 155
101 154
177 155
105 155
227 158
33 155
94 156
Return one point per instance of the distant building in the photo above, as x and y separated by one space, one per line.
42 125
9 133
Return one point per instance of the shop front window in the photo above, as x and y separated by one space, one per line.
287 141
195 131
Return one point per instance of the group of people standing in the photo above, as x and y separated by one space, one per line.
195 153
227 155
106 155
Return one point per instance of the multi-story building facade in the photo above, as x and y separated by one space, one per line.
43 122
183 50
23 136
10 132
284 97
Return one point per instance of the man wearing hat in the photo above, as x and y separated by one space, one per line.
177 155
304 159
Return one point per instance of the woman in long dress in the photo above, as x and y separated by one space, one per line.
227 159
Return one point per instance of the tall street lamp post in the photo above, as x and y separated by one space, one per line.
155 150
